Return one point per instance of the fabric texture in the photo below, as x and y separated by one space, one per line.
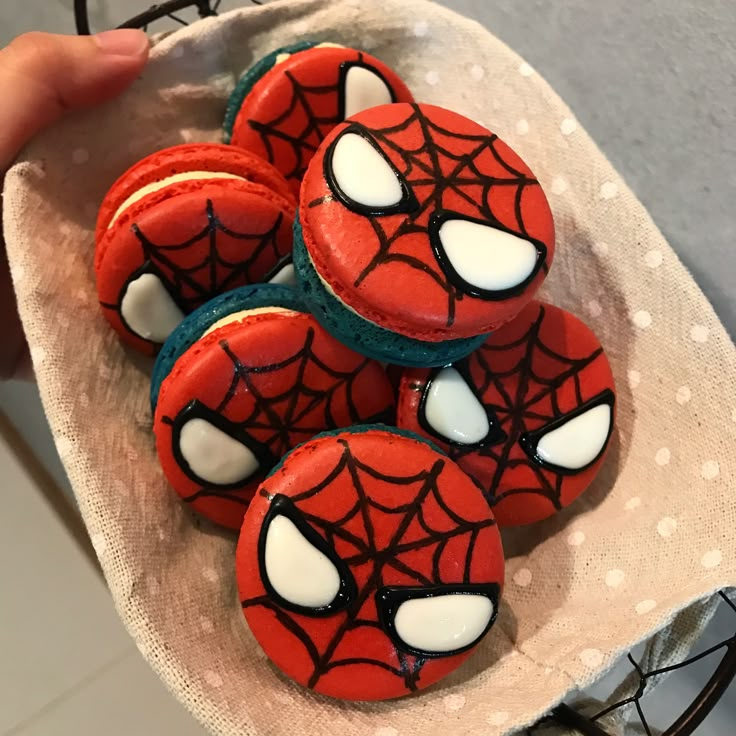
650 538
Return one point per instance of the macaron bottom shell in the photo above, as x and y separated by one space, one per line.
362 335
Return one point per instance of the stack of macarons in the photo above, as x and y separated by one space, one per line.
352 367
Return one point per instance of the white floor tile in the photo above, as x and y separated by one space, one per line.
58 622
124 699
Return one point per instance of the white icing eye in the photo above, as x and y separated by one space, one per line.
578 441
297 571
362 176
453 411
213 455
443 623
485 258
148 309
364 88
285 275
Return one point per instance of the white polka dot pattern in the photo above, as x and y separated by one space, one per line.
523 577
525 70
559 185
609 190
683 395
653 258
666 527
662 457
568 126
432 77
644 607
710 469
477 72
576 538
614 578
699 333
711 559
642 319
592 658
453 702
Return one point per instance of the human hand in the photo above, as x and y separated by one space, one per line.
42 76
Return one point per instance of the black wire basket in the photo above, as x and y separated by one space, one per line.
183 12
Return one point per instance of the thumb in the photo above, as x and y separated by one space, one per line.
42 75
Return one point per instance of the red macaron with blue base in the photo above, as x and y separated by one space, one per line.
182 226
242 381
419 232
286 104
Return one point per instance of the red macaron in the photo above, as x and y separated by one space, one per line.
254 385
529 415
290 100
369 565
180 227
424 223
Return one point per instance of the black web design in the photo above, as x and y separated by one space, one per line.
278 418
407 667
514 411
213 274
304 143
424 167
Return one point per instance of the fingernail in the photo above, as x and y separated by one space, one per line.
122 42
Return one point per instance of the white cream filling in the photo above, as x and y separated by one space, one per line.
325 45
168 181
244 314
331 292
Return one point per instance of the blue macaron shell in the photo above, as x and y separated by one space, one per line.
358 429
248 80
194 325
367 337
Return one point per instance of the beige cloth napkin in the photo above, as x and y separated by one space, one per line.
653 535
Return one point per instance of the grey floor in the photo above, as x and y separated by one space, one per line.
652 82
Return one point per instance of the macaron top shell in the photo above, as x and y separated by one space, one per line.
252 75
425 223
298 101
194 325
160 166
248 391
529 415
368 565
181 227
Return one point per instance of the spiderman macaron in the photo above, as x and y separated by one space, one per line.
284 106
529 415
369 565
418 232
182 226
243 380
